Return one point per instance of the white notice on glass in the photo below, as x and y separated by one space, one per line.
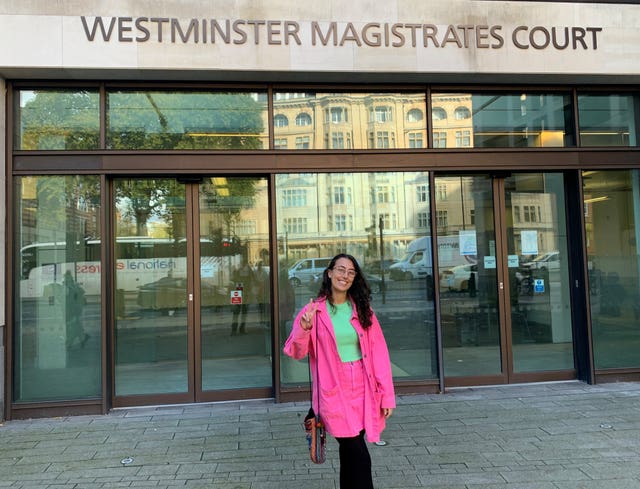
468 245
489 262
207 270
529 241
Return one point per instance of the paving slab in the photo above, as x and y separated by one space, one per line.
562 435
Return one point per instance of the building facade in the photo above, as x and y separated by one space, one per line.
177 177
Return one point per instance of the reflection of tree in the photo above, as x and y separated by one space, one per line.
65 211
145 198
138 120
61 120
228 197
184 120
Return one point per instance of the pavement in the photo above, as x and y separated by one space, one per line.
565 435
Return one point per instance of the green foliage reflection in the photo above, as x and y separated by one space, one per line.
167 120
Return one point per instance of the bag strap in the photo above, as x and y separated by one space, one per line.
317 382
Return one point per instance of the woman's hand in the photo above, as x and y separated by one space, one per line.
387 412
306 320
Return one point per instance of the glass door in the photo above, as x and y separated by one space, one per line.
541 336
234 295
151 283
504 278
468 279
192 315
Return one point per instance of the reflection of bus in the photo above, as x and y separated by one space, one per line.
139 260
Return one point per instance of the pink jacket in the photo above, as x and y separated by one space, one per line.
378 392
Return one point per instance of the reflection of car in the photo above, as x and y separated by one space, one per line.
304 270
458 277
374 281
546 261
170 293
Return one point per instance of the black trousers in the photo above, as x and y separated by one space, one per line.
355 463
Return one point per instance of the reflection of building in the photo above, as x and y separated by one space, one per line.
352 206
452 124
401 203
349 120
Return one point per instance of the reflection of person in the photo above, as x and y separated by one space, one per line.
286 301
74 301
262 290
243 279
349 360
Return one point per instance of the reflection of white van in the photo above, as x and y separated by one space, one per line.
302 271
416 263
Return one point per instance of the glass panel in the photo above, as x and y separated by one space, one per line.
492 120
188 120
379 218
235 292
467 274
608 120
151 287
57 120
57 347
612 221
538 272
349 120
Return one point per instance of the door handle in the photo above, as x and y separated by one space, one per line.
501 285
190 297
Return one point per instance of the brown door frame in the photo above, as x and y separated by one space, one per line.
502 277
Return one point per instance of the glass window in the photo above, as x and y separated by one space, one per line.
439 114
294 197
347 120
507 120
422 193
302 142
608 120
303 119
462 113
280 121
398 269
337 140
336 115
439 139
57 340
380 114
612 223
280 143
415 140
186 120
57 120
414 115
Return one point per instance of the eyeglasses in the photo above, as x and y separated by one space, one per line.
343 271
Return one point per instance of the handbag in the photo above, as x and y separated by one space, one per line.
316 437
313 425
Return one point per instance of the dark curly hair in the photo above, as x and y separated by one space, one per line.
359 292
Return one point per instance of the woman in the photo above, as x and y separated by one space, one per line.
350 364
